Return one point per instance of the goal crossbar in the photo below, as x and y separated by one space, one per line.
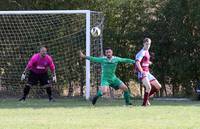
46 12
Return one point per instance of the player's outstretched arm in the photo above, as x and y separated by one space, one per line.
91 58
126 60
82 55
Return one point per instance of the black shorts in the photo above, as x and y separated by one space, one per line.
34 78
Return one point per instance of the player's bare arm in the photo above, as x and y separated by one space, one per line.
81 54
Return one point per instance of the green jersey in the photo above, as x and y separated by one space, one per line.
109 65
108 77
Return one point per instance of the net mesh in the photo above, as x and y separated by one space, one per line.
63 34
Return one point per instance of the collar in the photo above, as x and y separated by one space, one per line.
110 58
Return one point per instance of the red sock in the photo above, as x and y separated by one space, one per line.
153 90
146 97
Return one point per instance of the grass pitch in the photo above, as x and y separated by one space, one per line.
80 114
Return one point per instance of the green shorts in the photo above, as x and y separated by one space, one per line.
114 82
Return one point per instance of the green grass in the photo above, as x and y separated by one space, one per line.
80 114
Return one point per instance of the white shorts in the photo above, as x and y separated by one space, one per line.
148 75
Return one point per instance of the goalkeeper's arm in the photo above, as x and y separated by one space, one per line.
28 67
23 77
91 58
53 71
30 64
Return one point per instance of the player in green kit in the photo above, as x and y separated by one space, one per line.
108 77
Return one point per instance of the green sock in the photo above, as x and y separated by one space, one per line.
99 93
127 96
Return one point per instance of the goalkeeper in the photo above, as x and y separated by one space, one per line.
38 71
108 77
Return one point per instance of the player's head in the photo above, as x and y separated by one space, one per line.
108 52
43 51
147 43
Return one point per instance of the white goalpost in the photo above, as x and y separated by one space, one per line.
64 32
87 54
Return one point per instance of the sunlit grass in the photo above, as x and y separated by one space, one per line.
107 114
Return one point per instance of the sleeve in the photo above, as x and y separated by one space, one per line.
95 59
31 62
51 64
125 60
139 56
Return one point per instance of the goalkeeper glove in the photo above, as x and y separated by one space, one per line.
23 77
54 79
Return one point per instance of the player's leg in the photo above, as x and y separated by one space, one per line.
49 92
32 80
25 92
118 84
125 89
155 86
102 91
44 81
147 85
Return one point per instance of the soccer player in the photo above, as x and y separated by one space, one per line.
38 71
108 77
142 67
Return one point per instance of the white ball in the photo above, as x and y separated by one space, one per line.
95 31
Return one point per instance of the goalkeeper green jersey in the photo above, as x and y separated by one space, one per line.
109 65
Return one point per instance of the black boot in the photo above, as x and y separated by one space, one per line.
22 98
26 91
48 90
94 100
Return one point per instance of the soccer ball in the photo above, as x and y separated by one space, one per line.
95 31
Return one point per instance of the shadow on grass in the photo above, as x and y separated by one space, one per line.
82 103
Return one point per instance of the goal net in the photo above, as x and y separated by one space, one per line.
64 33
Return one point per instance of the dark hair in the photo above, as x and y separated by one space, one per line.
107 48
